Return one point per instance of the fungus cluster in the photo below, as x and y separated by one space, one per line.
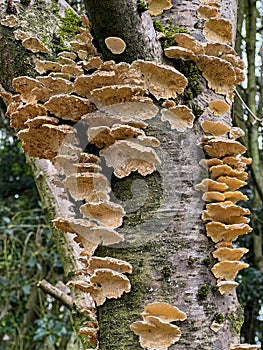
111 103
226 220
157 330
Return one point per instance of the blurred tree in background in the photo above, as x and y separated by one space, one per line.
248 116
28 319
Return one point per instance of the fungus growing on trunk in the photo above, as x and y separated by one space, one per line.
232 182
115 44
222 232
236 132
162 81
211 185
213 196
57 85
34 45
43 67
207 163
117 265
228 269
215 128
80 185
164 311
179 117
220 147
209 11
225 253
121 157
226 287
156 331
187 41
218 107
226 170
69 107
25 112
218 30
105 213
156 7
10 21
223 212
104 284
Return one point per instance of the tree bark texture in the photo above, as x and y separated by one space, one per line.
165 240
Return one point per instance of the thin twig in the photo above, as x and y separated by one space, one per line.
248 109
56 293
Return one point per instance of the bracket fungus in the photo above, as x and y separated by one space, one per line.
215 326
223 212
121 157
104 284
226 287
156 7
25 112
115 44
215 128
155 334
69 107
218 30
225 170
179 117
117 265
34 44
225 253
218 107
220 147
105 213
10 21
211 185
156 331
42 66
219 231
233 183
80 185
162 81
164 311
228 269
209 11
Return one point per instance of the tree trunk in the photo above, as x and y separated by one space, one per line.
165 239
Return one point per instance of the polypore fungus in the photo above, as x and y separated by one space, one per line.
226 287
161 80
156 334
218 30
105 213
104 284
219 231
223 212
218 107
80 185
209 11
211 185
115 44
34 45
164 311
117 265
215 128
225 253
122 153
9 21
25 112
156 7
220 147
69 107
179 117
156 331
226 170
228 269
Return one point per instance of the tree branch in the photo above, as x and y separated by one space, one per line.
123 18
56 293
